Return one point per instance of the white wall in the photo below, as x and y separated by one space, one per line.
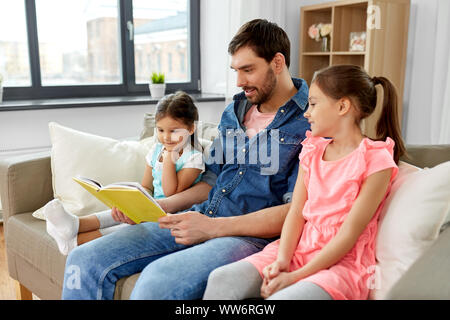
27 131
417 122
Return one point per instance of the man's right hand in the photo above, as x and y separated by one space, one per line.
190 227
118 216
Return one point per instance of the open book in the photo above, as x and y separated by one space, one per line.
129 197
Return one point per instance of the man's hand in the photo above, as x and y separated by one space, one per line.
188 228
118 216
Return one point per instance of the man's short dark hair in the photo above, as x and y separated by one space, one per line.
264 37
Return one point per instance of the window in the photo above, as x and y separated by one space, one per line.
86 50
14 61
66 48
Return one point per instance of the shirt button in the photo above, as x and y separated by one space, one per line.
282 139
282 110
223 190
210 212
243 150
240 172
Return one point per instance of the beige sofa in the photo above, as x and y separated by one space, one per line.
35 262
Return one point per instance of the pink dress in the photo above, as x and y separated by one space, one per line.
333 187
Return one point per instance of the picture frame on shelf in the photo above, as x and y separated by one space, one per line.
357 41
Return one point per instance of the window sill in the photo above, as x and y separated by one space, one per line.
16 105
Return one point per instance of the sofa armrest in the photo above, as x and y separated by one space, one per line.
429 276
427 155
25 183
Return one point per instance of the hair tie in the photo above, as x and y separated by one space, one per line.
376 80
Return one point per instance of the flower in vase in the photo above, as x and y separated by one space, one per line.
314 32
319 30
325 30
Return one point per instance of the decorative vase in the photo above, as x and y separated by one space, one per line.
325 45
157 90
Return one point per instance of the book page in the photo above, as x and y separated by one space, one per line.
89 181
133 185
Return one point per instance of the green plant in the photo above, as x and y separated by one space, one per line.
157 77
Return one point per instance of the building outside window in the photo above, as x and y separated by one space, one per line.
65 48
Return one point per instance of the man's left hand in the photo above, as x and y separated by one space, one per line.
188 228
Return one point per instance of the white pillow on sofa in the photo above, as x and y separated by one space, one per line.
104 159
414 211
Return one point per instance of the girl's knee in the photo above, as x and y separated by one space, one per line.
219 275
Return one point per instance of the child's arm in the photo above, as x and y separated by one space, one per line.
174 182
147 180
371 194
292 229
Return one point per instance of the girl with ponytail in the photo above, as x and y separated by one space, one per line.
327 245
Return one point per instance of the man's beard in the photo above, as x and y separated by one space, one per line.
266 91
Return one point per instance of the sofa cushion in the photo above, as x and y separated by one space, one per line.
124 287
27 237
411 219
103 159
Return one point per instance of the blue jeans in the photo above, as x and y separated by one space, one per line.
168 270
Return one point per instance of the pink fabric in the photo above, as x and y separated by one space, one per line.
333 186
256 121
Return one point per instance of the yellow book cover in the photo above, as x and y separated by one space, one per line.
129 197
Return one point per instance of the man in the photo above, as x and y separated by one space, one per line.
244 193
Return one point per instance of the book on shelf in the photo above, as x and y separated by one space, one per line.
129 197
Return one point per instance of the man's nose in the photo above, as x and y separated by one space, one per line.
241 80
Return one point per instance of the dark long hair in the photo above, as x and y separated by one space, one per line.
179 106
354 83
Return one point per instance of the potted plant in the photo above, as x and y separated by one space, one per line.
157 85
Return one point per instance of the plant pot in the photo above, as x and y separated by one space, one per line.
157 90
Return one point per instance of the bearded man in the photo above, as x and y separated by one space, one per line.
242 200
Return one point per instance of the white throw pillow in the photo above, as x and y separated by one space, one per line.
103 159
410 221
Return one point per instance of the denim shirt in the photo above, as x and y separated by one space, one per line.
251 174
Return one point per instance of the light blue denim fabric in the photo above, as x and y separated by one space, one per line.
250 174
241 184
169 270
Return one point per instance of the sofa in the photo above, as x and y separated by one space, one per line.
26 184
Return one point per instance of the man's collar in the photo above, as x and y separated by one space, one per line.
300 98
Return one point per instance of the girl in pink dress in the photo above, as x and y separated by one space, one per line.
327 244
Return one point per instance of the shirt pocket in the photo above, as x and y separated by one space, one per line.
284 149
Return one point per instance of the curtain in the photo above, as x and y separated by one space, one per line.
442 106
241 11
427 91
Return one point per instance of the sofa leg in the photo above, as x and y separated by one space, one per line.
22 293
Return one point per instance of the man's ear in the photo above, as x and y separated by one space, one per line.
344 106
278 62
